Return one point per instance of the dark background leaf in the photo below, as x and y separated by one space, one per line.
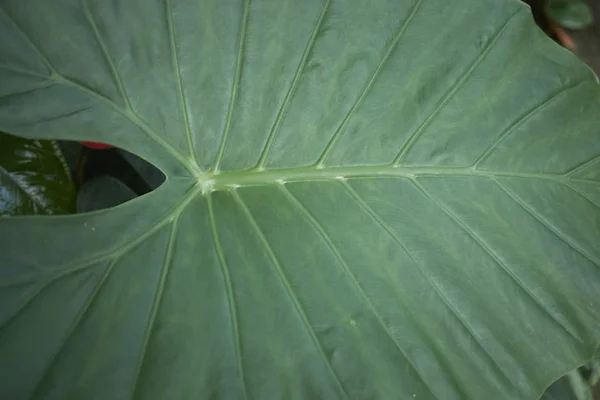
103 192
34 178
573 14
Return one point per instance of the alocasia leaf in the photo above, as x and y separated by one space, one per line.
34 178
364 199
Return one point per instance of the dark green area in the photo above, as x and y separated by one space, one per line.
34 178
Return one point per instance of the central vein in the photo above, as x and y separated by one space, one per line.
231 179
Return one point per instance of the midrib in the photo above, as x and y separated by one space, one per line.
227 180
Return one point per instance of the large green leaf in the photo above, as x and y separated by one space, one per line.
34 178
364 199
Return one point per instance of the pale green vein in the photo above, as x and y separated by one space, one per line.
28 40
333 248
132 116
35 295
76 323
292 89
230 179
182 101
228 291
156 302
20 310
367 88
453 90
483 245
582 166
128 114
46 85
436 288
283 279
523 119
546 223
105 53
174 212
235 85
17 70
582 195
58 117
62 273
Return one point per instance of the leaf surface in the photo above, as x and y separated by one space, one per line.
363 200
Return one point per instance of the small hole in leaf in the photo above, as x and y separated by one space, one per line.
107 177
40 177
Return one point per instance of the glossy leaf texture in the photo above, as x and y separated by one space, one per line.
363 200
34 178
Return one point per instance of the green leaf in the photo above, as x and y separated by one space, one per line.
102 192
572 14
363 200
34 178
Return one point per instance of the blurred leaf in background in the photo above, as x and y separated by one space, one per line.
578 384
149 173
572 14
102 192
34 178
570 387
560 390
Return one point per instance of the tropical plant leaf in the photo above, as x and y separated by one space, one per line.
363 200
34 178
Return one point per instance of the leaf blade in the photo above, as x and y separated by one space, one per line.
388 279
